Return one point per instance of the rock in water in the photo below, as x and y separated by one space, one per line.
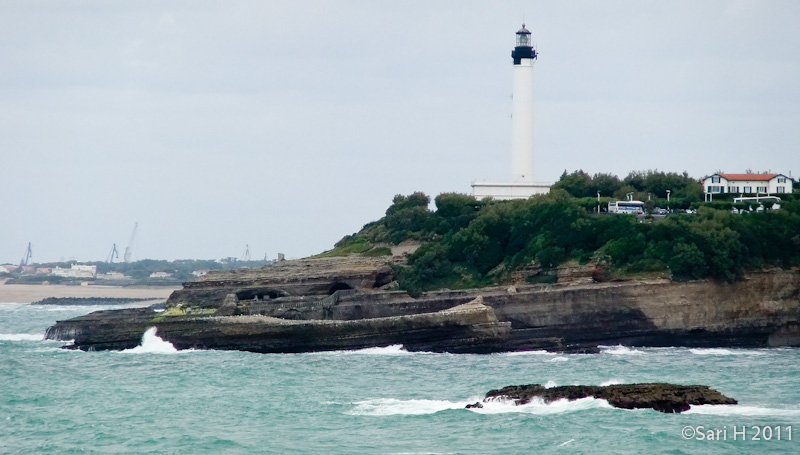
668 398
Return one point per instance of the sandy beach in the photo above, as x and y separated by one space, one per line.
27 293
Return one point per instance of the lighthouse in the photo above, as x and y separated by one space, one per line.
522 109
522 184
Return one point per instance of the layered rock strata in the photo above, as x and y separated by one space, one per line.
468 328
334 295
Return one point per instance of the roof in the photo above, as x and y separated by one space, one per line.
523 31
764 177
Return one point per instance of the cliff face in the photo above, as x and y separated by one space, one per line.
338 303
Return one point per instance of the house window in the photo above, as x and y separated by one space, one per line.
781 189
761 189
715 179
733 189
715 189
781 179
748 189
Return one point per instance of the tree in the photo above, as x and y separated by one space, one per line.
578 183
606 184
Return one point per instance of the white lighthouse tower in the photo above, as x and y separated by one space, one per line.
522 184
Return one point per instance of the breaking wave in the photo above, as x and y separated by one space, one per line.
392 350
737 410
721 351
619 350
21 336
152 344
392 406
526 353
395 349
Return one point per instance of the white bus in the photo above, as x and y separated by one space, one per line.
629 207
757 199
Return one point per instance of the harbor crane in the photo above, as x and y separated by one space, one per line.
113 254
129 249
246 254
27 257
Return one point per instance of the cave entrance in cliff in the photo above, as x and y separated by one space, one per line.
259 294
338 286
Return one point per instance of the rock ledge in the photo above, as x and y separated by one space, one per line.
663 397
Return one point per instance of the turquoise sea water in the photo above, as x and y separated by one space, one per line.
153 400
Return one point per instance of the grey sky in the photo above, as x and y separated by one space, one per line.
285 125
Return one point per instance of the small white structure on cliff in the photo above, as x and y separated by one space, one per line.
522 185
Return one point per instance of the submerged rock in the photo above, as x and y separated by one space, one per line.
663 397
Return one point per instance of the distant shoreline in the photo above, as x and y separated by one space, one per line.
28 293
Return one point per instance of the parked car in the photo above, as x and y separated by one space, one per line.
660 211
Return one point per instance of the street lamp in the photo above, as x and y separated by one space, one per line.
598 202
668 191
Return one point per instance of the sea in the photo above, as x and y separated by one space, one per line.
155 400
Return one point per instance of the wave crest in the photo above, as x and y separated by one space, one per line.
737 410
619 350
152 344
393 406
21 336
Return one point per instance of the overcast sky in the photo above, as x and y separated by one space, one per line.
286 125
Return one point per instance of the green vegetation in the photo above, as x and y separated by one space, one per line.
471 243
648 186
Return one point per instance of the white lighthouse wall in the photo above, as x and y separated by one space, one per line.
522 123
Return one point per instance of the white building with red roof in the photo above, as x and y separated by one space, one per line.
763 183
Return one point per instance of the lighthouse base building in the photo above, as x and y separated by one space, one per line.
507 190
521 184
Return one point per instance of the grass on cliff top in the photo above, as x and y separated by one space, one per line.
361 247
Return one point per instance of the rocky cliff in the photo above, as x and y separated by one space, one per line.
337 303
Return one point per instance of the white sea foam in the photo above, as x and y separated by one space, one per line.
392 406
21 336
619 350
711 351
720 351
565 443
152 344
525 353
559 359
737 410
549 385
395 349
610 382
539 407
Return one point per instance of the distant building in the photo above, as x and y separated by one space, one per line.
747 183
200 272
76 271
113 276
160 275
7 268
44 270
